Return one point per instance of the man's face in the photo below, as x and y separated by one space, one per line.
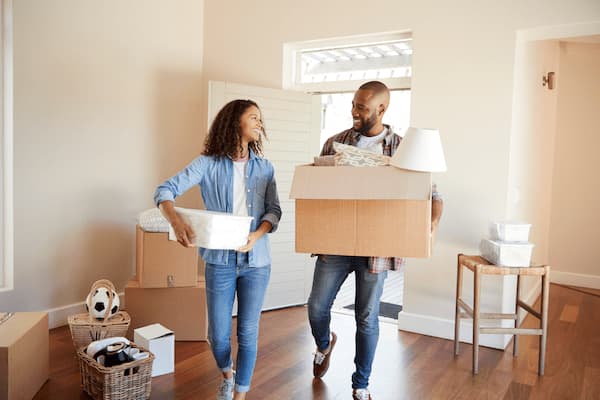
364 111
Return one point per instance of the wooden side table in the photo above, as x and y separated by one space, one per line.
481 266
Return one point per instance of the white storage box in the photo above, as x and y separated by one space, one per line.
161 342
506 254
216 230
507 231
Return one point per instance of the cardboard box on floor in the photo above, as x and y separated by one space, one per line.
24 351
362 211
161 262
181 309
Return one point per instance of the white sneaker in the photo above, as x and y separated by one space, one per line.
361 394
226 389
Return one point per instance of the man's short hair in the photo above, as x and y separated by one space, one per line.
375 86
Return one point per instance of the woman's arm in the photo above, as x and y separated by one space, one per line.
272 208
265 227
269 220
183 231
165 194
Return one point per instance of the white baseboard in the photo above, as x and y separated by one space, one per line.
59 316
573 279
444 328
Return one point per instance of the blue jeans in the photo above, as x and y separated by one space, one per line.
330 273
222 284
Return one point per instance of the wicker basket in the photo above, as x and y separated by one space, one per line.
86 329
130 380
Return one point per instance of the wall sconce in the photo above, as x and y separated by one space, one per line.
548 80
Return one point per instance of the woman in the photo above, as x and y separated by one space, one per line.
233 178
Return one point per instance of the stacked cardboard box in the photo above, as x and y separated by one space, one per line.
24 351
168 287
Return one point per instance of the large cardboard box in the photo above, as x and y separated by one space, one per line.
181 309
161 262
362 211
24 351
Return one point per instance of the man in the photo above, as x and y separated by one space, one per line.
370 103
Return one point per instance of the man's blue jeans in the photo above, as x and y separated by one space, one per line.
223 282
330 273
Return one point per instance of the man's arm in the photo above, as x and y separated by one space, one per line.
437 206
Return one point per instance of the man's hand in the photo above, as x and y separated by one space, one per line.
184 233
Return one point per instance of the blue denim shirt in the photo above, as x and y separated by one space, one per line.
215 178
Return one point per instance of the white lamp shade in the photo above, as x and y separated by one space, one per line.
420 150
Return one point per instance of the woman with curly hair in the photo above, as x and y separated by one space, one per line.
233 178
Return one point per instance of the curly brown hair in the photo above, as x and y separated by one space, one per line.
224 135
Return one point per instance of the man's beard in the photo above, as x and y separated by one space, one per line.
366 125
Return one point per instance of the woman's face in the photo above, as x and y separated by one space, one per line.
251 124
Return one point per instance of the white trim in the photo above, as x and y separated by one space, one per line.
573 279
291 64
444 328
6 191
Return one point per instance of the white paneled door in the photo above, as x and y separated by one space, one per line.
292 121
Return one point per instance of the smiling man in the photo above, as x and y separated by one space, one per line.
370 102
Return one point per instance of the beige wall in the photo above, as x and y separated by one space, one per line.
463 84
576 193
107 99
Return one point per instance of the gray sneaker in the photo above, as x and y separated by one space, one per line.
361 394
226 389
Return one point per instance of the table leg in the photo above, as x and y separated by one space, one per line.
476 298
544 319
515 336
457 307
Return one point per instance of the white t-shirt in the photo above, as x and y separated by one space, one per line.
239 188
372 143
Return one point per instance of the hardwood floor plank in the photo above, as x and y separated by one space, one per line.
517 391
569 313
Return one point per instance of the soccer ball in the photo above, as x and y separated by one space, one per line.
100 300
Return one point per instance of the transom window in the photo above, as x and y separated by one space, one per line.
335 65
352 63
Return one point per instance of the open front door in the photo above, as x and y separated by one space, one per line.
292 121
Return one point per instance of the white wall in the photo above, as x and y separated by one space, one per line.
107 98
574 250
464 54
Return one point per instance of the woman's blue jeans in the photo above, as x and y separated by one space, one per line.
223 282
330 273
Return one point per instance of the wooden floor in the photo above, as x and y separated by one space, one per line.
407 365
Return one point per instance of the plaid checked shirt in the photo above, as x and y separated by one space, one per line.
390 144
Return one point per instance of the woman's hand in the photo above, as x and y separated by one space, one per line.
265 227
252 238
184 233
